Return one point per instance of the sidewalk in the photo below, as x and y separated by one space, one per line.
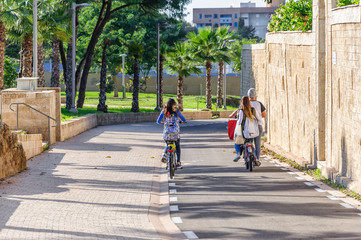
94 186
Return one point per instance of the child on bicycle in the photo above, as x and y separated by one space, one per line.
170 117
246 111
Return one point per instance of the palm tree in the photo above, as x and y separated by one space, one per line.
205 47
54 22
103 79
21 31
5 17
180 62
135 48
222 57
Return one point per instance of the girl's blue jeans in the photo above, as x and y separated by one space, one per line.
178 150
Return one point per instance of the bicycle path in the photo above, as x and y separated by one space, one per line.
215 198
97 185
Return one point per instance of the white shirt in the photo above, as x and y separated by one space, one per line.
258 106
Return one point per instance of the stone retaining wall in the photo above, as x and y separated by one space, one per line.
12 156
78 125
32 144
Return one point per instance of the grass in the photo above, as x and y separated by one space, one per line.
66 115
148 100
315 173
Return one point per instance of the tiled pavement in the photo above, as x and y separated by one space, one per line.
94 186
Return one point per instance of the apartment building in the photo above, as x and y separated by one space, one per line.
258 17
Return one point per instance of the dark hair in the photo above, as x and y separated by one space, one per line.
169 106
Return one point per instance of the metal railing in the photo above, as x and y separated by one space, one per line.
17 117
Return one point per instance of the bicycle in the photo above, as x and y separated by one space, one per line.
172 158
248 155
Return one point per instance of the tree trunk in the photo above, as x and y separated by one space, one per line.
55 64
180 93
103 79
161 65
21 62
135 103
63 58
90 52
41 70
2 53
209 85
68 77
28 56
220 85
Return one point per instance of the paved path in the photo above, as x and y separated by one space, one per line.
94 186
215 198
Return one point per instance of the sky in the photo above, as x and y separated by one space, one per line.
217 4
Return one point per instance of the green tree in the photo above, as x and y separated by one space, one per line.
243 31
103 79
180 62
109 7
205 47
10 73
236 52
222 56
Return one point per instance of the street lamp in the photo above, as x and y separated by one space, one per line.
225 79
73 44
123 74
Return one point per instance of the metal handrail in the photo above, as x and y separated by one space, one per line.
17 116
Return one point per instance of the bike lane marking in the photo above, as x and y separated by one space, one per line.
190 235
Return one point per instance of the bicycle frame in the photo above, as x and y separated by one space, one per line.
248 154
172 158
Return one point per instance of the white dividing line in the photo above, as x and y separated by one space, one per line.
174 208
292 173
285 169
345 205
171 184
190 235
172 191
278 165
173 199
177 220
320 190
359 214
299 178
333 197
309 184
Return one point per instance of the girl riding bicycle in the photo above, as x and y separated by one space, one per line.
170 117
246 111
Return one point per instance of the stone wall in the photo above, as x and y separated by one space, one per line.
343 95
78 125
192 85
32 144
282 71
29 119
12 156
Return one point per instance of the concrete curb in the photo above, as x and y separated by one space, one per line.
159 214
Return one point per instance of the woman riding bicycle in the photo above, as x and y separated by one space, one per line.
246 111
170 117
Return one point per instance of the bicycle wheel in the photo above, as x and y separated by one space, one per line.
250 163
171 165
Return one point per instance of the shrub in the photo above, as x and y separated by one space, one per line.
342 3
10 73
293 16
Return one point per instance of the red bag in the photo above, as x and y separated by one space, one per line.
231 127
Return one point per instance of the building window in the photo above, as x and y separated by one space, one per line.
257 15
215 15
208 24
236 24
226 16
235 15
200 16
207 16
